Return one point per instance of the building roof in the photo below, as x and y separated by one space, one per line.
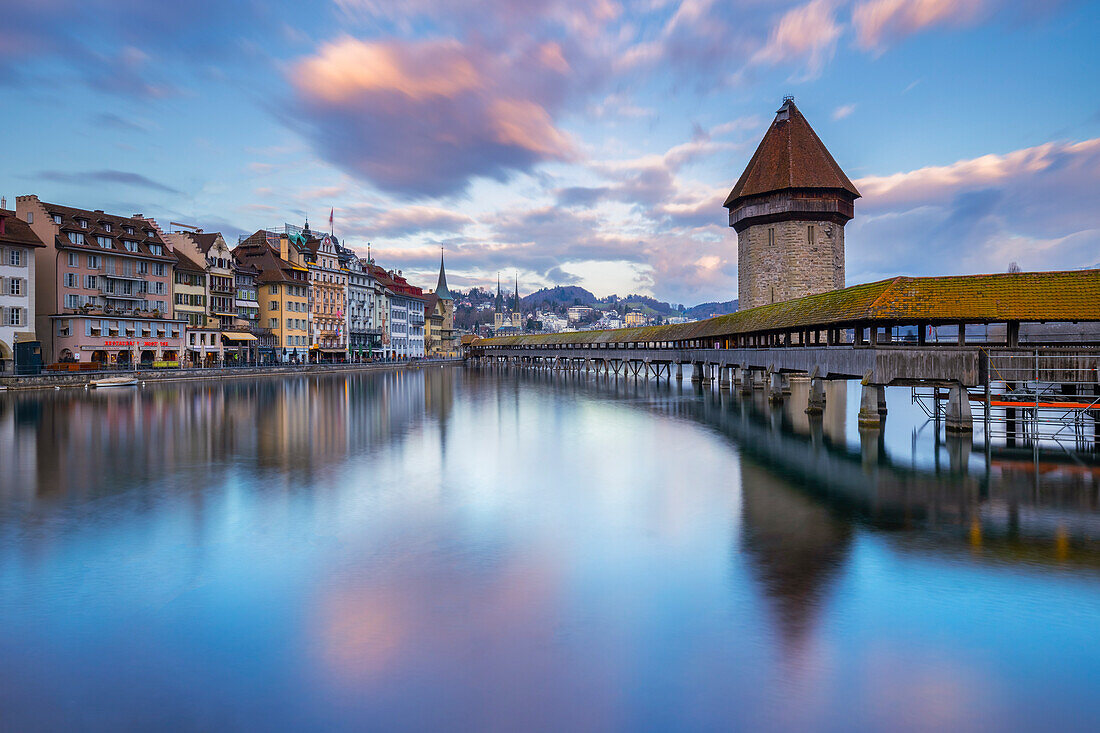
791 155
204 240
1025 296
145 231
14 230
185 263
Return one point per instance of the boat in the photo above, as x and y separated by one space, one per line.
114 382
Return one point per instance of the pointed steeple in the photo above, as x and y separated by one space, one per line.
516 308
791 156
441 287
499 306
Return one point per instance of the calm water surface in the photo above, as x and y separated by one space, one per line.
472 550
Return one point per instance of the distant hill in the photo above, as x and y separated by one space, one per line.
566 295
709 310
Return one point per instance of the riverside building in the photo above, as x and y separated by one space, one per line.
282 288
19 348
103 286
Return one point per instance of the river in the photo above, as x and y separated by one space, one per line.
465 549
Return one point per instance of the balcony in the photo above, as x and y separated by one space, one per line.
116 276
110 291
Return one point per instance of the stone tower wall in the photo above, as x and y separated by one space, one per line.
791 267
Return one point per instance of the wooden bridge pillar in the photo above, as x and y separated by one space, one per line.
746 381
815 404
724 377
775 387
679 371
872 406
697 371
959 418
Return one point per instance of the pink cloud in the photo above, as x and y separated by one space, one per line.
806 34
423 118
880 21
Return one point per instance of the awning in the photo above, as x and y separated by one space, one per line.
334 351
239 336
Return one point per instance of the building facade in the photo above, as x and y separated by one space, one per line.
103 286
364 338
789 208
328 283
282 288
18 243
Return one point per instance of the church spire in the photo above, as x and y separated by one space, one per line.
500 298
441 287
516 309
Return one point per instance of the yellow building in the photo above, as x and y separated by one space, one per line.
439 309
282 290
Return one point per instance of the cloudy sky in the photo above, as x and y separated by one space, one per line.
576 142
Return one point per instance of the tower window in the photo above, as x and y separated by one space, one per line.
771 236
810 234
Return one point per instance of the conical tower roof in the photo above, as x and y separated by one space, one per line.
791 155
441 287
499 305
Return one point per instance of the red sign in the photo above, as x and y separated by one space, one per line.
120 343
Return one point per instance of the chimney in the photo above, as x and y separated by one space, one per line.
3 221
284 247
3 202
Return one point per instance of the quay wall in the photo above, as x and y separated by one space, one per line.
80 379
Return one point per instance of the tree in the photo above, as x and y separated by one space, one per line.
1013 267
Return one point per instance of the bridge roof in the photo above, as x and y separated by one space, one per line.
1024 296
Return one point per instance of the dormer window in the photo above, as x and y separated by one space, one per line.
75 237
57 218
128 230
104 242
130 246
156 249
82 223
149 233
106 226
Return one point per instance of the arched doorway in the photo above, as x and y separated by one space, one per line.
65 356
123 360
147 358
170 355
7 361
99 357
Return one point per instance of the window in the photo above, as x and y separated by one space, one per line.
128 230
130 245
90 282
71 280
810 235
15 257
82 223
158 269
274 290
771 236
15 286
149 233
13 317
93 262
156 249
143 268
106 226
64 327
74 259
273 306
274 322
30 217
75 237
104 242
158 287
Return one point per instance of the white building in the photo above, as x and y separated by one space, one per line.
17 245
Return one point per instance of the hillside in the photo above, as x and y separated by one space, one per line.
709 310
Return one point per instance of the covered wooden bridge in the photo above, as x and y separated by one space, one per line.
950 331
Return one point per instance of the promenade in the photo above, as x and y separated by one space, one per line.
80 379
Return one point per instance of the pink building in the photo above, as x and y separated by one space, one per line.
103 286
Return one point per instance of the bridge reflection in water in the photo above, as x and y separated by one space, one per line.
999 507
